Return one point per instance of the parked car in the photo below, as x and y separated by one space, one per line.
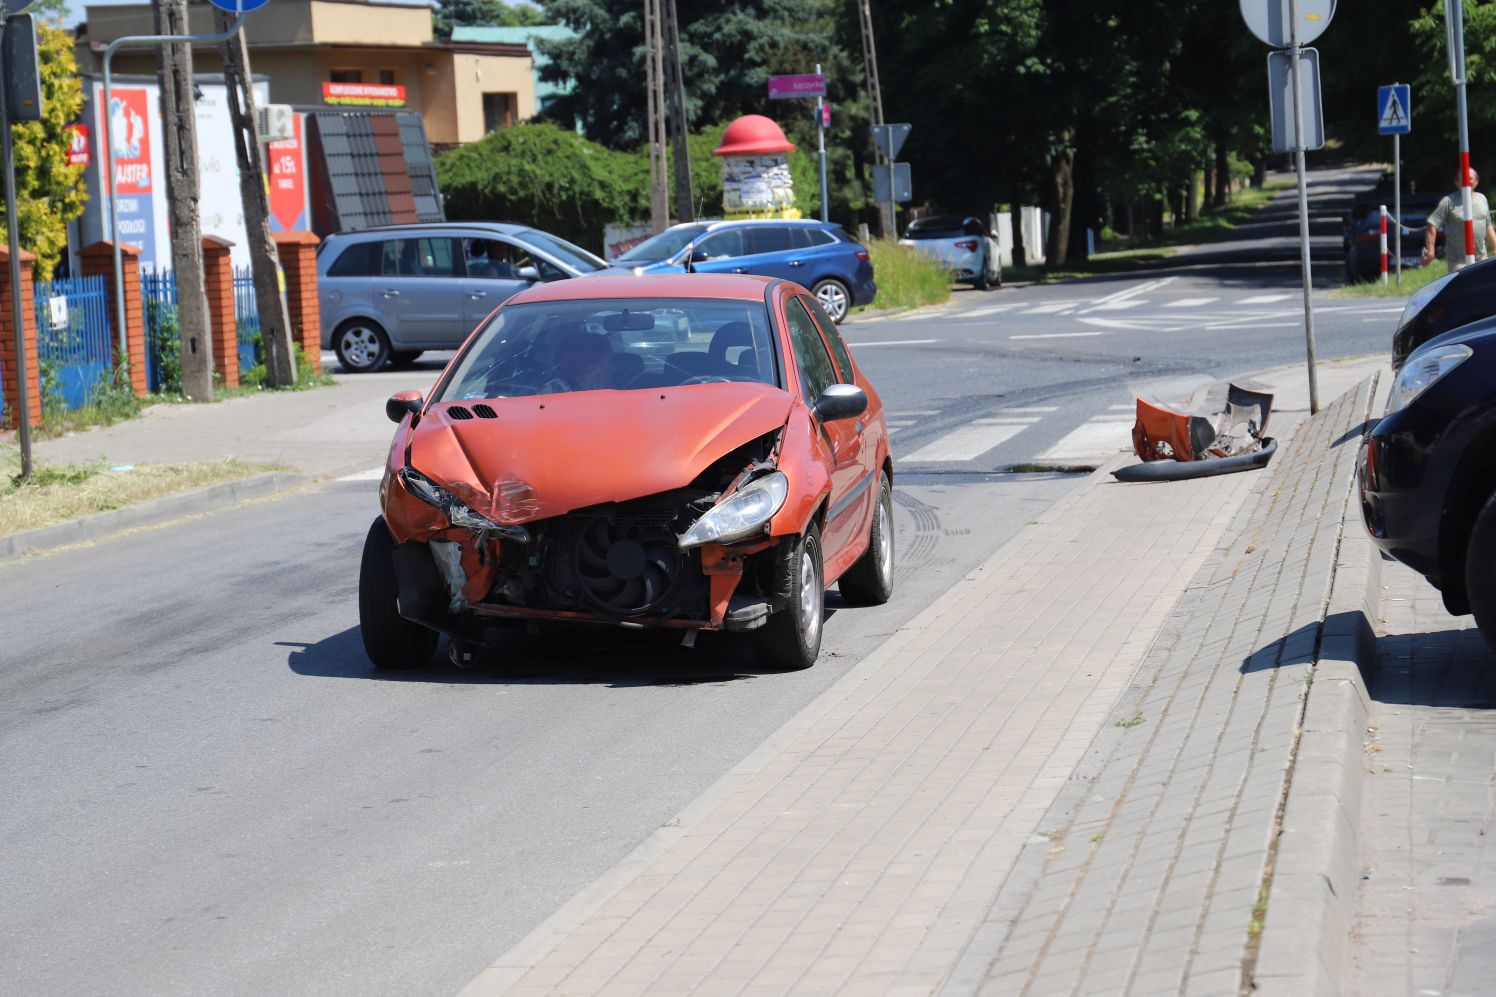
686 452
1361 236
817 255
1454 300
389 293
1427 470
962 244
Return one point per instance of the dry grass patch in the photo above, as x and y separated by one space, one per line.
58 493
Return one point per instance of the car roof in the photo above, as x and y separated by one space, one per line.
734 287
501 228
797 222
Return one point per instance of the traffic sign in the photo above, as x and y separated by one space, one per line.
1394 109
890 138
899 188
16 6
238 6
1280 100
1271 21
803 85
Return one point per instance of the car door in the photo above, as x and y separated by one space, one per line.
871 431
421 286
817 372
493 268
770 250
719 252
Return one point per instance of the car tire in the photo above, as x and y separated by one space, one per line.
390 640
791 639
361 345
981 283
835 297
1480 571
869 582
404 358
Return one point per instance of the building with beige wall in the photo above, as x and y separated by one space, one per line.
462 90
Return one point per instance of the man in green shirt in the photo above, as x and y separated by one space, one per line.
1450 216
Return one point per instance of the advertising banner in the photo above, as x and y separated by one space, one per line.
78 145
363 94
288 193
133 180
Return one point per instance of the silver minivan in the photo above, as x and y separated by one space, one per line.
386 294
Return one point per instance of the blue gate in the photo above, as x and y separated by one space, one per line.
74 346
163 341
247 312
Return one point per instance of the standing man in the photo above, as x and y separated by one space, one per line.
1449 215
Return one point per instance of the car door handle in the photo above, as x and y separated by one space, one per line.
390 293
739 270
797 263
477 294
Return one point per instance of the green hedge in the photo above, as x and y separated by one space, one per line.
543 175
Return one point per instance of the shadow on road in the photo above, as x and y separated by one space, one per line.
1446 668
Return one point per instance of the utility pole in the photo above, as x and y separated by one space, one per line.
654 79
275 325
179 120
874 100
1303 178
685 199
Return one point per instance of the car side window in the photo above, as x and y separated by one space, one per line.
767 239
722 245
838 346
817 237
816 372
359 260
973 227
419 258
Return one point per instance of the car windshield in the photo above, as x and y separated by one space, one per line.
554 347
662 246
574 256
938 227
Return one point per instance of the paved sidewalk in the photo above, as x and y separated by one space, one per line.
913 818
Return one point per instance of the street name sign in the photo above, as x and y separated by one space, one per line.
890 138
1271 20
1280 100
802 85
1394 109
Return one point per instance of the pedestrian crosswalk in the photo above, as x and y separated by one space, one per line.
969 442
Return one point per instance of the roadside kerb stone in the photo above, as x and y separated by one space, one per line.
1145 871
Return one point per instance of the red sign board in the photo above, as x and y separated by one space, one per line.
803 85
77 145
287 182
364 94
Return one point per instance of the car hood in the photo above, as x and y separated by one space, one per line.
545 455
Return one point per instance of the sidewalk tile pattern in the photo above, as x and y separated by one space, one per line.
1426 912
1151 864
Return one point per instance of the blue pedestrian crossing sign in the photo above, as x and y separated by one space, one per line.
1394 109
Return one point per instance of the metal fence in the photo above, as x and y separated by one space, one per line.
75 347
247 312
163 343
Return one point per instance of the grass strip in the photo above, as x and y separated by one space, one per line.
1412 280
907 279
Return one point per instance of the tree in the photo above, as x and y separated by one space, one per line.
49 192
482 13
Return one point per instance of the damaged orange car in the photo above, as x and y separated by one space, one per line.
690 451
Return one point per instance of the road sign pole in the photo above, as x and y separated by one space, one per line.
1397 201
1454 27
821 150
1298 141
17 305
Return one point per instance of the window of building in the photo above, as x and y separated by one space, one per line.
388 77
346 76
500 110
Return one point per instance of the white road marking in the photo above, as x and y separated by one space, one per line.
1189 302
1053 308
970 442
1059 335
1038 409
1122 408
1117 306
1143 323
372 474
1264 299
1135 290
1249 324
1101 437
892 342
1377 311
989 310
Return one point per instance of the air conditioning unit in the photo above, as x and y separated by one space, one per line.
276 122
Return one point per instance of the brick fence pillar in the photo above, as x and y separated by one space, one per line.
25 344
218 282
298 257
98 259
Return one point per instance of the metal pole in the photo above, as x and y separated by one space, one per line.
1397 199
17 305
1298 141
821 149
1454 13
109 50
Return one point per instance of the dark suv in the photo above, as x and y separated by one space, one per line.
1427 471
1456 299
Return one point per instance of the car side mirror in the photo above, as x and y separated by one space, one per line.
528 273
841 401
403 403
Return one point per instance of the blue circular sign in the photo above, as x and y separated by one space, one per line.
238 6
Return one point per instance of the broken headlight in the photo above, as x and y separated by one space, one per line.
457 513
742 514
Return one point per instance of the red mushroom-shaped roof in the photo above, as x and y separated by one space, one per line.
752 135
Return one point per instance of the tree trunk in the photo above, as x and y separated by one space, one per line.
179 135
275 324
1192 197
1132 226
1062 197
1259 172
1222 176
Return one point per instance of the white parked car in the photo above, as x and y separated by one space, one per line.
962 243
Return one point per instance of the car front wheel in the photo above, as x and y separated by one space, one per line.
390 640
792 638
1480 571
834 297
361 346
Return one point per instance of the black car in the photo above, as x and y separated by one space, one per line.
1457 299
1361 237
1427 471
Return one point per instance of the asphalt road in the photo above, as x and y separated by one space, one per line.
207 790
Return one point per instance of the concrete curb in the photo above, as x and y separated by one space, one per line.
1305 943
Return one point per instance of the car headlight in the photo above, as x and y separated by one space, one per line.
742 514
1422 371
1421 297
457 512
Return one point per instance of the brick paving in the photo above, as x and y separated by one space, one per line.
1426 911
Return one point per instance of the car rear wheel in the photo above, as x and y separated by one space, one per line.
792 638
834 297
869 582
1480 571
390 640
361 346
